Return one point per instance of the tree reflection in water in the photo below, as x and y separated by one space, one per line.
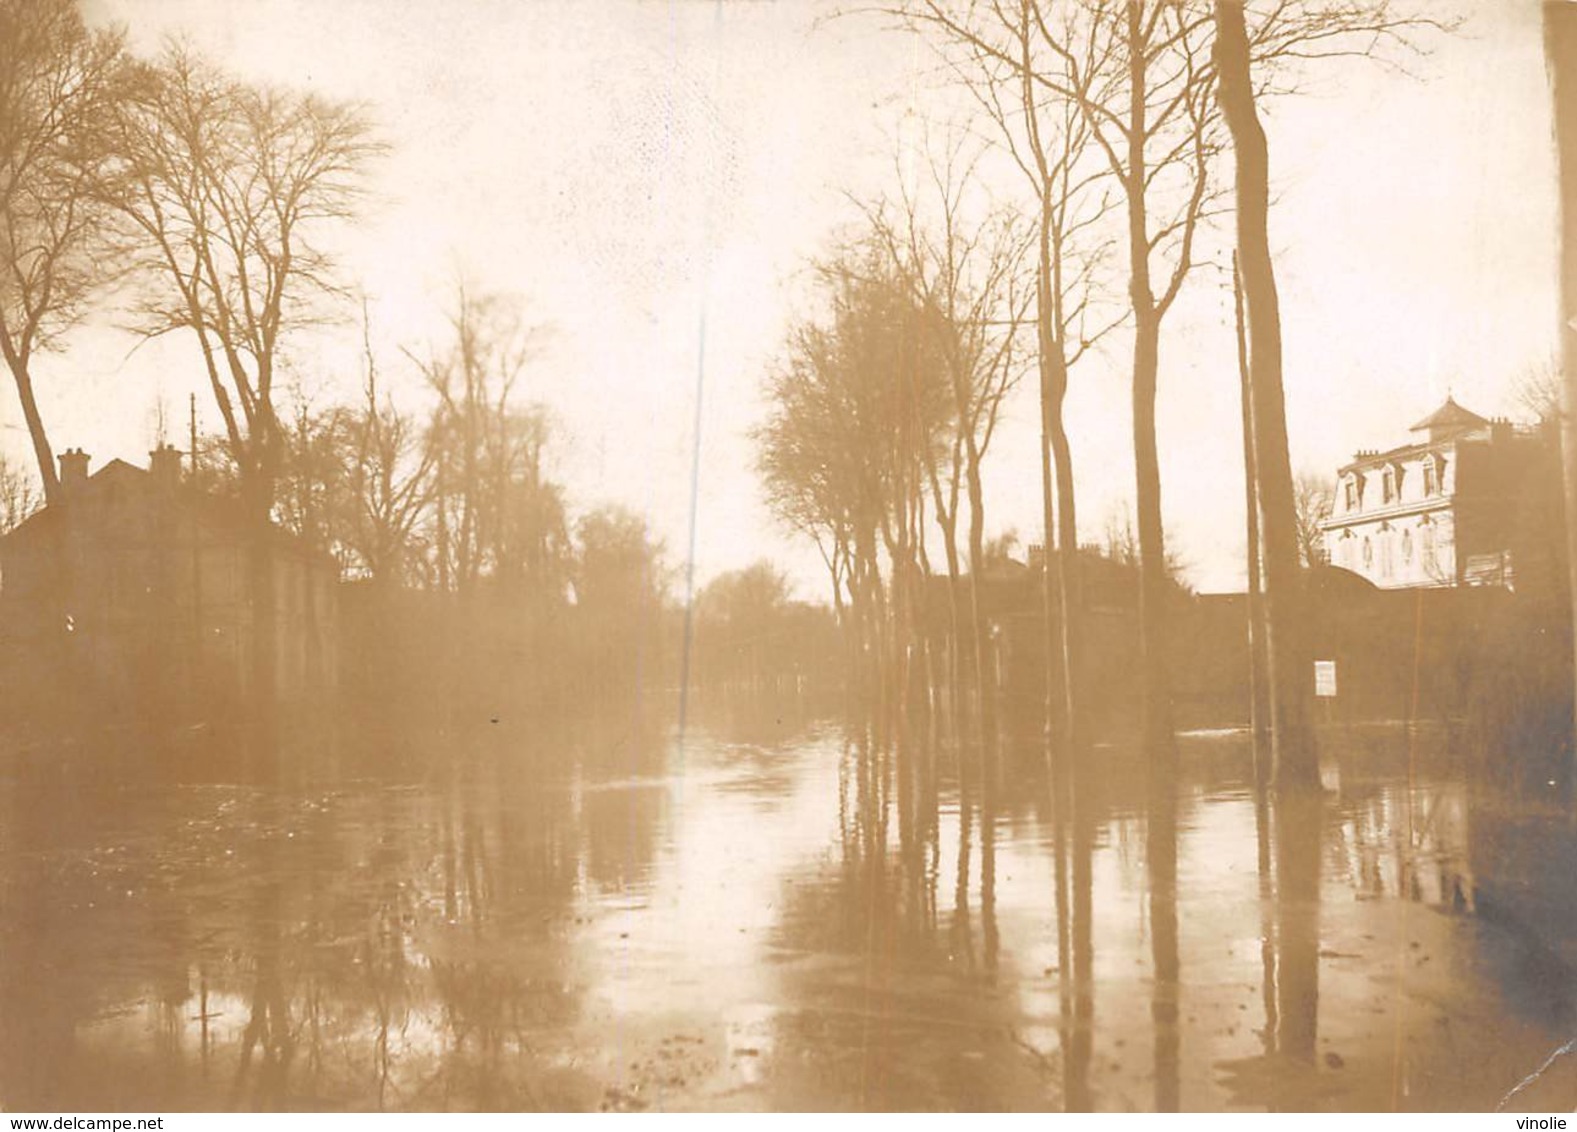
1161 862
808 916
1299 815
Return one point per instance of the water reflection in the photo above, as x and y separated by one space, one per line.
1298 823
774 912
1161 860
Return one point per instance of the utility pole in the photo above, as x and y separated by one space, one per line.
1560 47
192 509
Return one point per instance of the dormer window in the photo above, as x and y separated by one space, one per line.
1388 485
1352 493
1431 475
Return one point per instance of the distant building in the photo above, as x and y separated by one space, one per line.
138 586
1468 502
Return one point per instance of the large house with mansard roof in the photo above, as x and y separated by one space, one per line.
1467 501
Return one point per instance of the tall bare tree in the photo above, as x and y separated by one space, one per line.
233 193
998 53
1258 664
963 262
1133 79
1537 390
19 496
390 474
58 81
494 513
1292 742
858 405
1141 76
1312 499
1276 47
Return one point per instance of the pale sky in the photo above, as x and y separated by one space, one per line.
650 178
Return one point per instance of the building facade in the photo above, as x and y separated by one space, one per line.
1468 501
141 589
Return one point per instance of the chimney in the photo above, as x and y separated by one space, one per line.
164 466
73 469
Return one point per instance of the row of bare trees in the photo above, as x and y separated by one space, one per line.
884 408
203 203
166 197
1115 118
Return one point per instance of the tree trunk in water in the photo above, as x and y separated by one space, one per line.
977 623
955 618
262 708
1560 45
1063 593
1258 677
1298 819
1070 589
42 451
1156 708
1051 586
948 522
1157 705
1292 740
1160 854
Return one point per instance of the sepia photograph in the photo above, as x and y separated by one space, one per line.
757 556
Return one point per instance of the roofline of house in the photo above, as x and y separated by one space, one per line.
1385 514
1391 454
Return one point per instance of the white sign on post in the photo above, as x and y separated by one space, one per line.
1325 679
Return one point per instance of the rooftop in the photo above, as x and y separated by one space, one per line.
1450 417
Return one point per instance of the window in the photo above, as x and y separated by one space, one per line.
1431 476
1407 548
1431 561
1352 495
1388 486
1368 554
1387 557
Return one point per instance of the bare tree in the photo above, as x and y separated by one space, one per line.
1311 499
494 514
390 473
1258 663
231 193
1140 74
1537 390
999 549
963 263
858 405
310 499
57 82
995 50
621 587
1142 79
1279 524
19 495
1133 80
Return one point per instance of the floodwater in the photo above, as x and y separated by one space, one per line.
774 911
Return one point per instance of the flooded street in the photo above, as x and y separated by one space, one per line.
775 912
